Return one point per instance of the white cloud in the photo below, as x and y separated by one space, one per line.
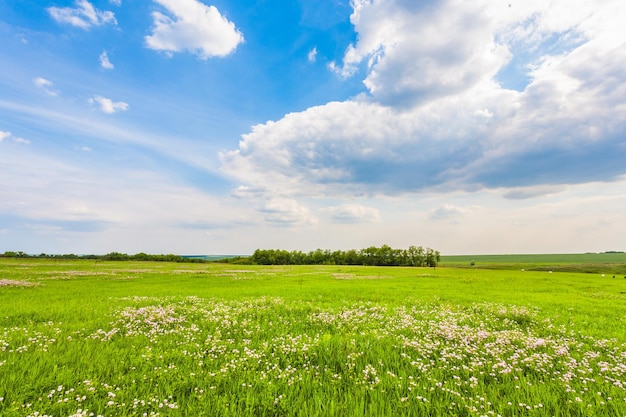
286 212
116 2
352 213
192 26
244 191
486 113
84 15
9 135
312 56
105 62
45 85
522 193
437 119
447 211
56 206
107 105
353 147
21 140
416 53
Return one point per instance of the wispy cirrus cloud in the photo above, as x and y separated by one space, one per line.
105 62
21 140
84 15
522 193
107 105
192 26
9 135
45 85
52 225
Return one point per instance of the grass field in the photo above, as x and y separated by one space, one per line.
607 262
81 338
565 258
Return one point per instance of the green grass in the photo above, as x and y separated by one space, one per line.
135 338
613 263
571 258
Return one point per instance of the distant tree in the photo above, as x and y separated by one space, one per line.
141 257
432 257
115 256
297 258
352 257
415 256
318 257
369 255
385 256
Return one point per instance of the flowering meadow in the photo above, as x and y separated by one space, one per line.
147 339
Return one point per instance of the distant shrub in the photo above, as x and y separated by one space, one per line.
373 256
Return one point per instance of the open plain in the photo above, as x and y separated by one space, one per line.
93 338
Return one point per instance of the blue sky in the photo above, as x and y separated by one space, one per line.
206 127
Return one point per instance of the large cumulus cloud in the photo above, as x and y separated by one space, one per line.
436 115
195 27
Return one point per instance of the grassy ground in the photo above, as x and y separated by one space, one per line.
613 263
132 339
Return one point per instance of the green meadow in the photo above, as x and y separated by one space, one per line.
94 338
613 263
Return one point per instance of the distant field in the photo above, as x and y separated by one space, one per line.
210 257
610 257
81 338
612 262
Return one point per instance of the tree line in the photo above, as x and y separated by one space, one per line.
111 256
375 256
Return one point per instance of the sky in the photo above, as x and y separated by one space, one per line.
223 126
